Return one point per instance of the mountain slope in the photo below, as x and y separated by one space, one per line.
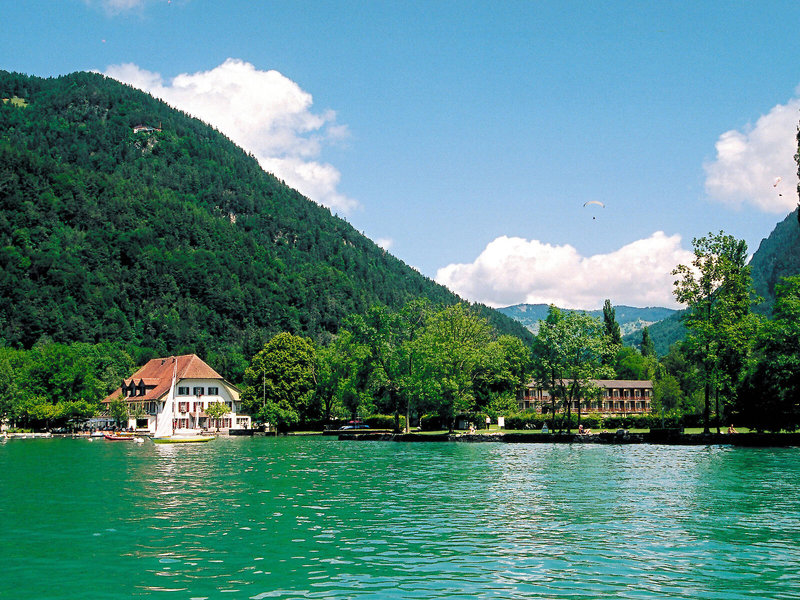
171 237
777 256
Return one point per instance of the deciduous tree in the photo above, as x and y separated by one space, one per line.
568 354
717 291
281 381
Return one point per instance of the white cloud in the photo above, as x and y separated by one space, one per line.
265 113
513 270
115 7
385 243
749 161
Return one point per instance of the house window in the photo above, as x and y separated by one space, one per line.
213 391
183 391
198 391
183 407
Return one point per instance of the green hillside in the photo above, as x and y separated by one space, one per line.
777 256
172 240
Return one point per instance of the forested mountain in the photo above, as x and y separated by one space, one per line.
171 239
777 256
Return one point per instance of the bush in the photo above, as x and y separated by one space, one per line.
526 420
384 421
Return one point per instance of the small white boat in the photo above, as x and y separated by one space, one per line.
166 433
183 439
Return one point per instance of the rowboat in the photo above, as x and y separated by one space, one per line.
118 437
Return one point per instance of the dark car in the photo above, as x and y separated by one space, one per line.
354 426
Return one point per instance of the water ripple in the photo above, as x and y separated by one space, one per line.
318 518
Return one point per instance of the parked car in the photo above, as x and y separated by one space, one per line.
354 426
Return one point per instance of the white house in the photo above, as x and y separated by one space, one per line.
196 387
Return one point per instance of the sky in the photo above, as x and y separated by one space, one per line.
466 137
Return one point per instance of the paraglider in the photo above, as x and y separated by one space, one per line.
600 204
777 181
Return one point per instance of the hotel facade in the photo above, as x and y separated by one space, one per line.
614 397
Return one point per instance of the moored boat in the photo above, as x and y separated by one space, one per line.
165 426
183 439
115 437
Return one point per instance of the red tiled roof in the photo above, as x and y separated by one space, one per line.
157 375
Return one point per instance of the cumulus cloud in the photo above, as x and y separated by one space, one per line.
749 161
264 112
514 270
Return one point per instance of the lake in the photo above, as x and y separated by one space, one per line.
312 517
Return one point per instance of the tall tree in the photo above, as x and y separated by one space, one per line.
610 323
452 348
568 354
389 335
344 373
648 348
717 291
281 381
504 376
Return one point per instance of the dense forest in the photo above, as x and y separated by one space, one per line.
171 239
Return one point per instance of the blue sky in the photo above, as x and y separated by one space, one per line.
465 137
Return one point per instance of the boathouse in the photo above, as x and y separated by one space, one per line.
194 387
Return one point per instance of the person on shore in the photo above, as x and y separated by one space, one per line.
731 429
488 422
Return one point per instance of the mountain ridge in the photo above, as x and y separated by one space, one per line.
630 318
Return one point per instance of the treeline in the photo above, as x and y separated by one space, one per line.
420 360
441 364
173 241
53 385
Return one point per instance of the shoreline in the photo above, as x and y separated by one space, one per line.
778 440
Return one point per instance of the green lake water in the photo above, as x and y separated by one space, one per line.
319 518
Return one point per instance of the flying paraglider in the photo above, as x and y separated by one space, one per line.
600 204
777 181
